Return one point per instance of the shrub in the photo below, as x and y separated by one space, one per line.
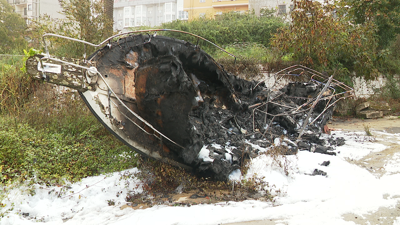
228 28
322 38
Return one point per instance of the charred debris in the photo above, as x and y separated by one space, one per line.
168 98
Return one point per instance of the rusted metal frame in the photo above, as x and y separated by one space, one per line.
109 102
286 106
314 73
312 108
237 124
332 104
336 82
269 125
259 105
327 106
283 114
132 32
310 101
293 68
277 115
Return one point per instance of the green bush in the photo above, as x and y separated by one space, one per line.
49 133
15 86
319 39
228 28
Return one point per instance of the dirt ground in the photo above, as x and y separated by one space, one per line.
373 162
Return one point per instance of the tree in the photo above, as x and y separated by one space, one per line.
321 38
88 16
12 29
109 14
385 14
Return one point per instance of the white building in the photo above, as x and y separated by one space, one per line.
133 13
281 6
33 9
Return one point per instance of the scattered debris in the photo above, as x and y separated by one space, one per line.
318 172
170 100
326 163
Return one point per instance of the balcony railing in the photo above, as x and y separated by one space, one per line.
17 2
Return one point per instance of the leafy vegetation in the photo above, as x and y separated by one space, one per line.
321 38
49 134
51 157
229 28
15 86
384 14
12 29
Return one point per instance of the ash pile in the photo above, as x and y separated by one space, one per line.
293 117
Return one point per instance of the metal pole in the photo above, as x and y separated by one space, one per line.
312 108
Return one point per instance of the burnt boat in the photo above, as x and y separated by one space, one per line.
167 98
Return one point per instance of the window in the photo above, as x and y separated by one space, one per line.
129 16
183 15
29 7
202 1
168 8
169 12
140 15
281 9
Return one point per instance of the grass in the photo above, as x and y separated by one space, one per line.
48 134
367 130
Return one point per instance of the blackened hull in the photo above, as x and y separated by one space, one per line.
94 107
157 80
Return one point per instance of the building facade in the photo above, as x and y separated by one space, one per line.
212 8
134 13
282 7
33 9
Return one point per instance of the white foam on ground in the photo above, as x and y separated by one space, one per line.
301 198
